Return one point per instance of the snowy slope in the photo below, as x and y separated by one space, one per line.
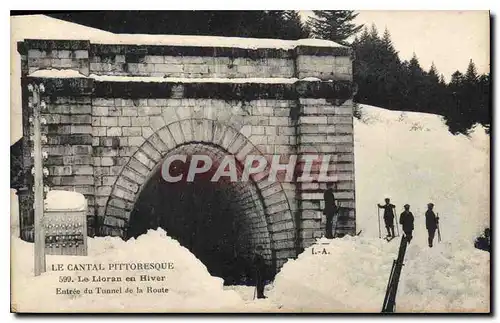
353 277
412 158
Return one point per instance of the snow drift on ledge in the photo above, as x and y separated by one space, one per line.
69 73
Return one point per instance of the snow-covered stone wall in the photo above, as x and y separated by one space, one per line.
188 61
114 111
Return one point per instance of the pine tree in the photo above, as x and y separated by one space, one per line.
374 33
441 80
334 25
387 42
414 66
457 79
433 74
293 27
471 74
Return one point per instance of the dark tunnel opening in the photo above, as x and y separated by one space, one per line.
220 222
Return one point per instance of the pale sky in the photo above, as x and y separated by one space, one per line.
447 38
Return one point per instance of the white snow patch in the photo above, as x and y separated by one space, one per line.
353 277
57 73
209 41
68 73
191 287
147 79
65 200
276 80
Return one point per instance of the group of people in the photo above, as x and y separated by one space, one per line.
406 219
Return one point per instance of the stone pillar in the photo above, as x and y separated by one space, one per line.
325 129
26 213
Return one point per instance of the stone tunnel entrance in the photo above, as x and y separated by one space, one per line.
220 222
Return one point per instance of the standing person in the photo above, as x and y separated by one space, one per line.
260 267
484 242
406 220
431 222
330 210
388 217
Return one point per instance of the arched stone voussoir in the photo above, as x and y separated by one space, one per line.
202 130
151 151
219 132
186 126
238 143
120 203
176 132
157 143
230 135
166 138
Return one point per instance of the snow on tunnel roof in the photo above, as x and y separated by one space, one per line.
212 41
53 28
65 201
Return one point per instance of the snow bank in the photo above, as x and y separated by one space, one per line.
191 287
412 158
353 277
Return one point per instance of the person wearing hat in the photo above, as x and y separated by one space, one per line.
388 216
329 210
431 222
259 265
406 220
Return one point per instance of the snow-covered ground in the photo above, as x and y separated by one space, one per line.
412 158
191 287
409 157
353 277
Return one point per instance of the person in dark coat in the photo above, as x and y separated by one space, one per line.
388 216
259 265
484 242
329 211
431 223
406 220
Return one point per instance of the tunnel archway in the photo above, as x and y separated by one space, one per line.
220 222
260 210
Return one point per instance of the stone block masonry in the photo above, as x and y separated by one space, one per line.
109 128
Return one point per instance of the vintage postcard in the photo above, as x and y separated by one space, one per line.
333 161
